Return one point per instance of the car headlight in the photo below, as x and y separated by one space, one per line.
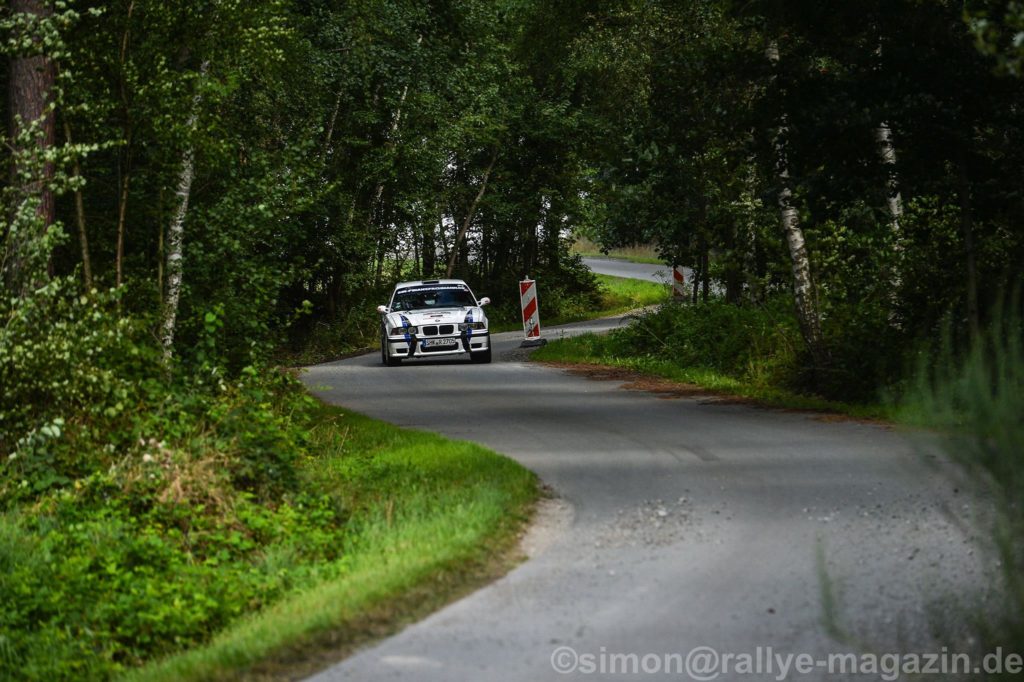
395 331
472 325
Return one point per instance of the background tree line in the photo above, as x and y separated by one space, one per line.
195 190
243 159
862 158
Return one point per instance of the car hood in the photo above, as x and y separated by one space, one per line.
417 318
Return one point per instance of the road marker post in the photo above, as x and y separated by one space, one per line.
678 284
531 314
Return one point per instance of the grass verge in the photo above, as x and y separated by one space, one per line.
641 253
430 519
592 349
617 294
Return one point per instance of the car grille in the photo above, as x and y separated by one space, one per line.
435 330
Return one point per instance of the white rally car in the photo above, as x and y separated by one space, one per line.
433 317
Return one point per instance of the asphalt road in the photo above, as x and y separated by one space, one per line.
622 268
679 523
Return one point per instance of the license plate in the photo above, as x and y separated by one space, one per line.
440 343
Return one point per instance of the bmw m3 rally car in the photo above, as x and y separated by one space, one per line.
434 317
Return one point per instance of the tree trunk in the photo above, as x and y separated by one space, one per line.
469 216
83 236
803 286
750 203
389 144
30 84
893 204
893 198
429 248
445 251
125 168
967 228
696 276
329 135
160 260
176 229
705 272
122 210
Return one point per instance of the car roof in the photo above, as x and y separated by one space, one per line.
427 282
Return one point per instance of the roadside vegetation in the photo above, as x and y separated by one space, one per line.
636 253
744 352
197 193
613 295
261 521
974 398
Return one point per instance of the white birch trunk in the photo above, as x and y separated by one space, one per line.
803 285
893 205
176 228
893 199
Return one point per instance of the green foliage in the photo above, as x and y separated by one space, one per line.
163 550
757 344
998 28
71 391
339 147
97 589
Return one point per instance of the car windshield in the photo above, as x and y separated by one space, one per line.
444 296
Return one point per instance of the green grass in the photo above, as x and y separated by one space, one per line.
431 517
618 295
641 253
597 350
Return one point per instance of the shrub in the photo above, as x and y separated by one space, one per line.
751 342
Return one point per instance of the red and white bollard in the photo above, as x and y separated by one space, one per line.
531 313
678 284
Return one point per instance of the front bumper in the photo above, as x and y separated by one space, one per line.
412 346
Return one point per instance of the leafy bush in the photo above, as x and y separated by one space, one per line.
75 377
93 586
750 342
146 505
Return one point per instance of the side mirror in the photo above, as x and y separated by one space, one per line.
483 301
382 309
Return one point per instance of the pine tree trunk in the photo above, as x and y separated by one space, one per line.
30 84
176 229
803 286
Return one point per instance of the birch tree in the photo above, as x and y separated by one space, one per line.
803 285
176 228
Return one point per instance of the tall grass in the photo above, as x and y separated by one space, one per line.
637 253
976 401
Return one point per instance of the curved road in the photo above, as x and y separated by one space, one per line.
679 523
622 268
